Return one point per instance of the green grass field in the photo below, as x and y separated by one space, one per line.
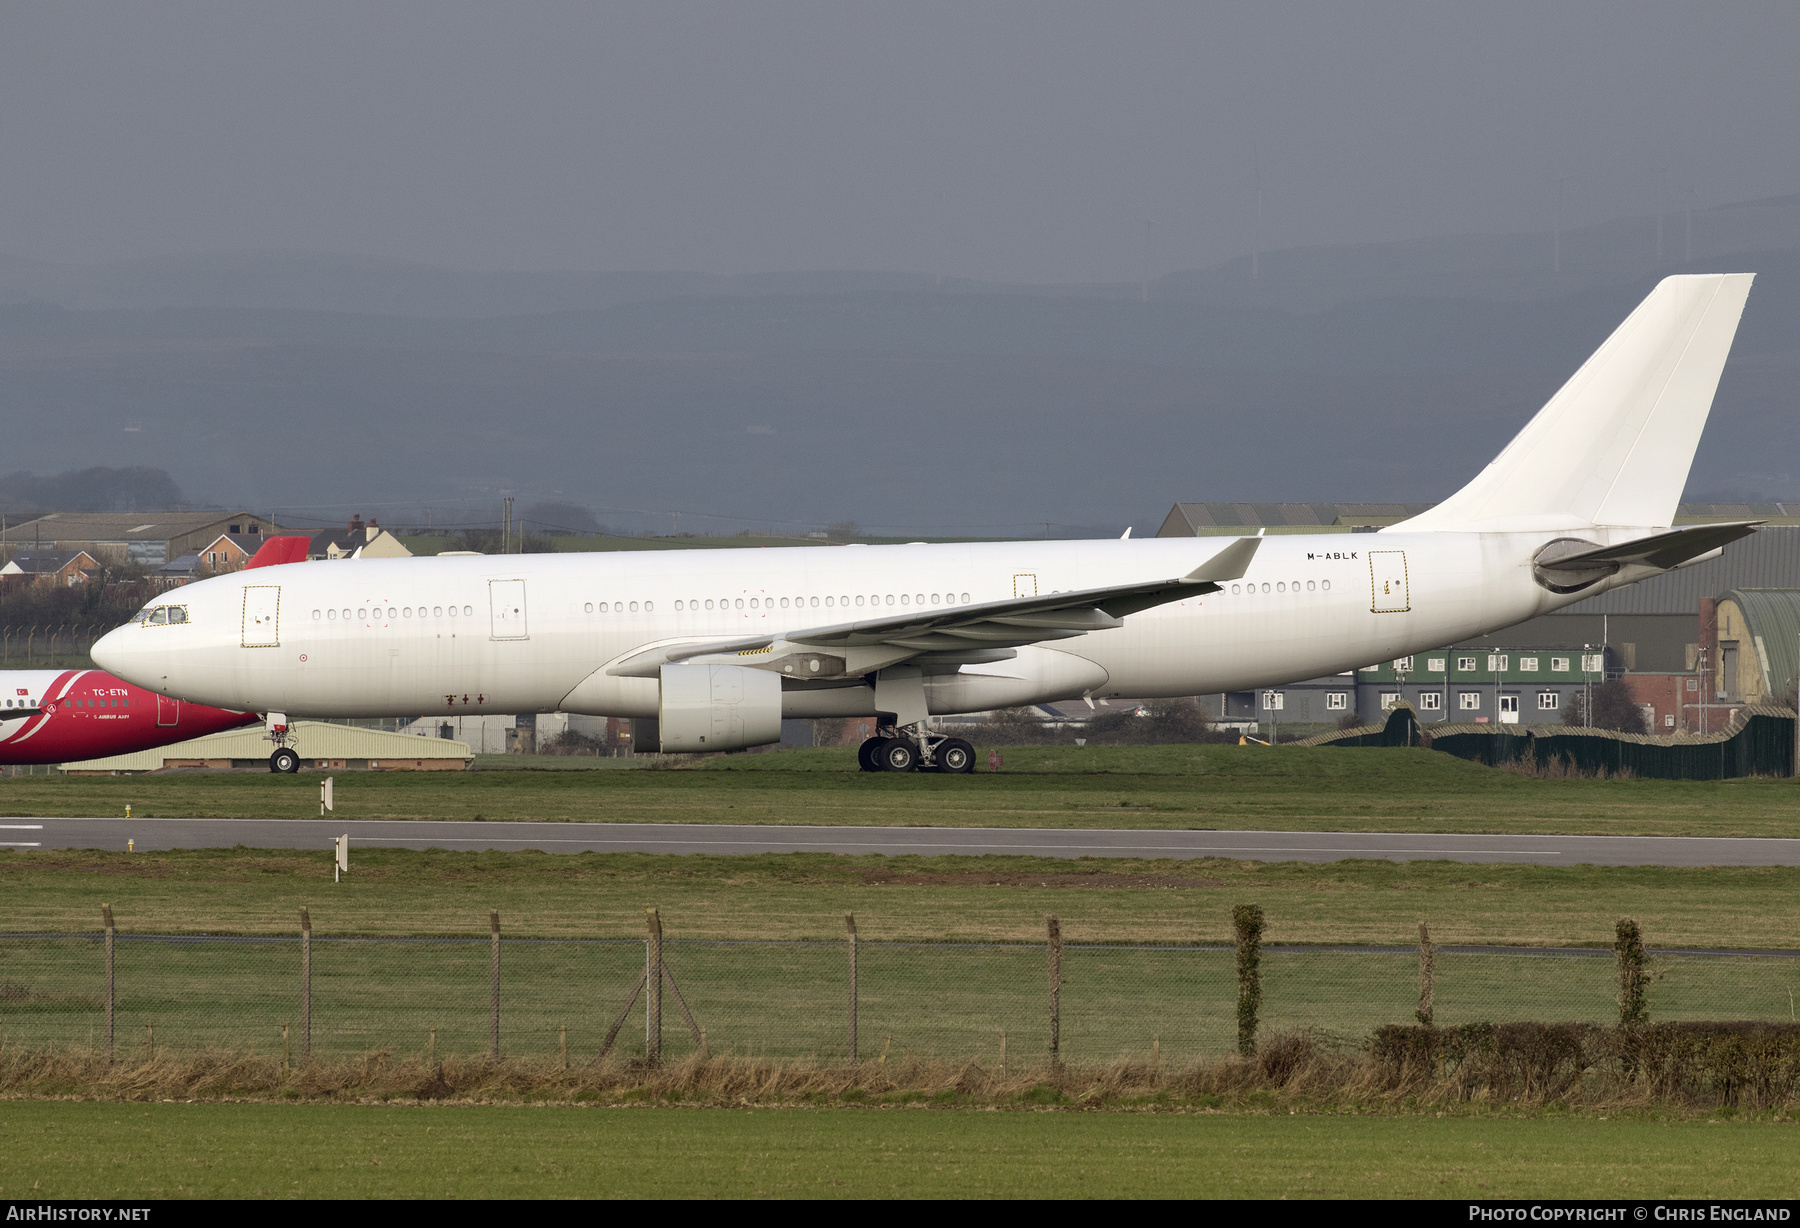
933 899
126 1151
1290 788
767 974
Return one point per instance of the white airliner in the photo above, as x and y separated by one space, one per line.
719 645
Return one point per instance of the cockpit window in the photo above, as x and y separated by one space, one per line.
161 615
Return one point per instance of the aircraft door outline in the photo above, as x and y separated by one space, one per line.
1389 592
506 609
168 712
262 616
1025 584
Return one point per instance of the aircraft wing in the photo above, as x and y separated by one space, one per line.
1663 550
960 630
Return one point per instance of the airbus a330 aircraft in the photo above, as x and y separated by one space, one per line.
719 645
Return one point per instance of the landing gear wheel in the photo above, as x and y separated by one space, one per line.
898 755
955 756
867 755
284 760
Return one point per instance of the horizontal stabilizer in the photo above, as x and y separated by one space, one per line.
1660 550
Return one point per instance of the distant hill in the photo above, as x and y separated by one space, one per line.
1516 266
1354 373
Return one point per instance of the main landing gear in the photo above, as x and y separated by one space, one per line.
915 750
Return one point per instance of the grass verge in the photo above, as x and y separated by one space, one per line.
628 1140
1167 787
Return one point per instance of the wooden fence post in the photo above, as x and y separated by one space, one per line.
850 924
305 988
494 994
653 979
106 920
1628 946
1427 974
1247 921
1053 926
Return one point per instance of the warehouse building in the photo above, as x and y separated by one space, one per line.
1455 685
324 746
149 538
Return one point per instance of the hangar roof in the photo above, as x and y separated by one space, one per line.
1772 616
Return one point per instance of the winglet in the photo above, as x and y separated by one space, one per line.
1228 564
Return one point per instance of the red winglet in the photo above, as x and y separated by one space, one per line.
277 550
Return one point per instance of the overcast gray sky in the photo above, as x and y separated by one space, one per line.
1002 140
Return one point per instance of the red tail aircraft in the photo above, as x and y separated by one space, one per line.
68 715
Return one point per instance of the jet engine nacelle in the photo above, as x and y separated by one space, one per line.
718 707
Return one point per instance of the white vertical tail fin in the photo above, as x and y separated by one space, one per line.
1614 445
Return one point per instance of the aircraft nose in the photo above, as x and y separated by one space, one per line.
113 652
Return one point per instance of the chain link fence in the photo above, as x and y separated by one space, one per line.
323 996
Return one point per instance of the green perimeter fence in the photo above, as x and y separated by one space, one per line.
336 997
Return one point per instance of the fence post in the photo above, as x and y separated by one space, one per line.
1427 974
1053 935
1628 945
653 979
494 992
106 920
850 924
305 988
1247 921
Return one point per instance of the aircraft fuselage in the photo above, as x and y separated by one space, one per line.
522 633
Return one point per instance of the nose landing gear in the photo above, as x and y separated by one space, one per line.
285 758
